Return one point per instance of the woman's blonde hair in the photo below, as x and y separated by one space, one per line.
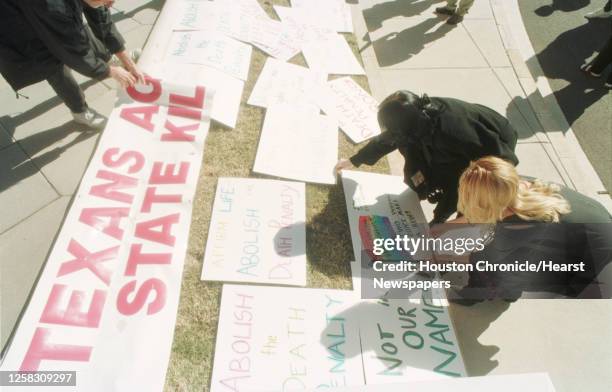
490 185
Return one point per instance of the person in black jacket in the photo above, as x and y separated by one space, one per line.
42 39
438 137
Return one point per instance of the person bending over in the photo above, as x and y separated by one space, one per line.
438 137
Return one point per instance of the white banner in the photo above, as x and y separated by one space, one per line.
355 110
211 49
274 338
285 83
257 232
105 305
298 143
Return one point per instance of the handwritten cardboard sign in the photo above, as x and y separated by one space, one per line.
257 232
298 143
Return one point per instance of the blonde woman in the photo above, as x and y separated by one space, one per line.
529 221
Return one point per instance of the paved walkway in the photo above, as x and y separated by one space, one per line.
404 45
43 156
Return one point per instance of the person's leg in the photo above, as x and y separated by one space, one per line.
67 88
603 59
604 12
608 6
449 8
464 7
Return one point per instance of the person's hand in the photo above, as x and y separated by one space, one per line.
122 76
342 165
128 63
137 73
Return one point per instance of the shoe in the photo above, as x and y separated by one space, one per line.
445 11
455 19
90 118
608 85
134 55
600 14
586 68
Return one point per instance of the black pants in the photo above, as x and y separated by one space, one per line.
608 6
67 88
603 59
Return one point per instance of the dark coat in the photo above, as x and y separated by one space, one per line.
458 133
39 36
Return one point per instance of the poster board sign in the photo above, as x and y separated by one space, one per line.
211 49
274 38
298 143
355 110
276 338
257 232
110 287
527 382
406 340
285 83
332 14
332 56
229 19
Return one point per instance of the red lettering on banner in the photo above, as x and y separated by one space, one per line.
149 97
109 190
128 308
109 160
72 315
179 111
178 134
91 261
141 116
165 173
42 349
164 236
152 197
137 258
197 101
94 217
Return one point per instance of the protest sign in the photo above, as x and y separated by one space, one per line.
285 83
275 38
333 14
211 49
332 55
354 109
275 338
526 382
257 232
298 143
229 19
110 287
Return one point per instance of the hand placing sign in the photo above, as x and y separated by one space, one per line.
343 164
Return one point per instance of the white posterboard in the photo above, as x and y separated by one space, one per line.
332 14
355 110
298 143
285 83
106 302
527 382
405 340
275 338
332 55
382 195
229 19
211 49
257 232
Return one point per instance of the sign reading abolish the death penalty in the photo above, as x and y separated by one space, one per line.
284 339
257 232
105 304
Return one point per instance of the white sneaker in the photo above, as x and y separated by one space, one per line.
90 118
599 14
134 55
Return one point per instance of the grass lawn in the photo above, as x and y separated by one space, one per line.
231 153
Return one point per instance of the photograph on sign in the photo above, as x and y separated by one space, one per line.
355 110
333 56
211 49
298 143
285 83
257 232
281 338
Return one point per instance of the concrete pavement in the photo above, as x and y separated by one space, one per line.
43 155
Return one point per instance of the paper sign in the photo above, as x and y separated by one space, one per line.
527 382
229 19
285 83
274 38
298 143
257 232
332 56
333 14
354 109
110 287
211 49
275 338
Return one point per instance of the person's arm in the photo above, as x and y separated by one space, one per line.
104 29
376 148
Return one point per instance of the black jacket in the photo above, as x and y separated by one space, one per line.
458 133
39 36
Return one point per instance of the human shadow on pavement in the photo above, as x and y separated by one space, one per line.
562 59
561 5
120 15
395 48
378 13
